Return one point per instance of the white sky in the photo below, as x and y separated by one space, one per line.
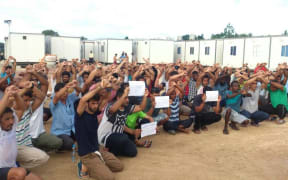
143 19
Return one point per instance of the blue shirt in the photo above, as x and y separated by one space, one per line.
222 89
63 116
235 102
3 75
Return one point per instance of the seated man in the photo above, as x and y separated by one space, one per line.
174 123
250 103
134 122
150 109
278 98
62 109
96 162
232 110
112 127
41 139
8 145
206 112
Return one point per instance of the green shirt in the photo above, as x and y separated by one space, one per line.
132 119
278 97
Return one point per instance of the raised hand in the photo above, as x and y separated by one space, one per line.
204 97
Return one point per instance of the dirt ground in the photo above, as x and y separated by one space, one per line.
253 153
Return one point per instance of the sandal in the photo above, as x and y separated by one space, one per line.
280 121
81 174
145 144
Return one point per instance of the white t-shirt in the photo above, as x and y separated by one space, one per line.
36 122
250 104
8 146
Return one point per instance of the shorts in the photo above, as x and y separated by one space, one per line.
235 116
160 117
4 173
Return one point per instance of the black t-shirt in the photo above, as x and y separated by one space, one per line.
208 105
86 127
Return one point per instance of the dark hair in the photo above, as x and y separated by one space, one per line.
139 77
65 73
119 93
8 67
195 72
116 75
85 73
205 76
96 97
207 88
59 86
155 90
7 110
173 73
29 94
233 82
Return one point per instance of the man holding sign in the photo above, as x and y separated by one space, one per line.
207 108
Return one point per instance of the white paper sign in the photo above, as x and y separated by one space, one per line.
162 102
148 129
137 88
211 96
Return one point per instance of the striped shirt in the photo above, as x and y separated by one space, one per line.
175 107
23 129
192 90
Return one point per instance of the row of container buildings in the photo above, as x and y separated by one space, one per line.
28 48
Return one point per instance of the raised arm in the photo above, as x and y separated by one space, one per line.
115 107
143 103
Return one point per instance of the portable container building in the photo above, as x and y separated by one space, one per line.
158 51
65 47
192 50
179 50
279 51
25 47
233 52
207 52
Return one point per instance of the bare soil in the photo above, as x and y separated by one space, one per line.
253 153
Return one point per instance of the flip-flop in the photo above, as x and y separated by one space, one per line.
196 131
204 128
82 175
146 144
280 121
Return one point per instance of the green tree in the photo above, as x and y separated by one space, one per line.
186 37
200 37
50 32
229 31
285 33
83 38
126 37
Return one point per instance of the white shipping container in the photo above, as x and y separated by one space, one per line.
192 51
179 50
279 51
25 47
233 52
207 52
158 51
256 51
66 47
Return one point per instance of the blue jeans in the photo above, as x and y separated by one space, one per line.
256 117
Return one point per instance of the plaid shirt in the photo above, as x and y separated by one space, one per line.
192 90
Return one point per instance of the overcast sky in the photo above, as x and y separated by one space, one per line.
143 19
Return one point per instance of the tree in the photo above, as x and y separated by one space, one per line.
50 32
285 33
229 31
82 38
200 37
186 37
126 37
